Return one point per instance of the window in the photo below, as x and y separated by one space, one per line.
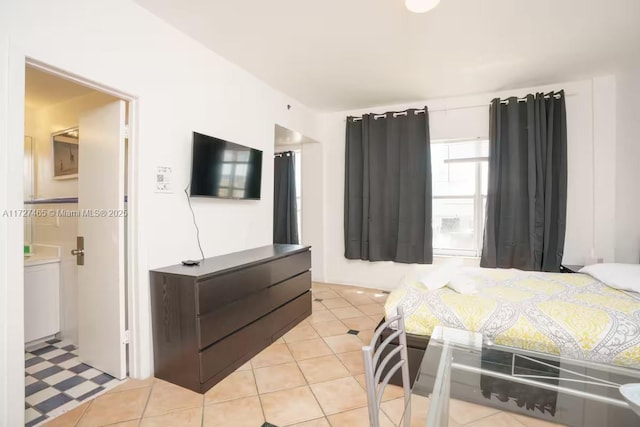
459 174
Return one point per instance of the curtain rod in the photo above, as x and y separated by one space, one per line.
283 153
440 110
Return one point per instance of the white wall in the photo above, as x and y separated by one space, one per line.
180 87
627 174
588 224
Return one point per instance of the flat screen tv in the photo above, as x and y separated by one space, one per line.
223 169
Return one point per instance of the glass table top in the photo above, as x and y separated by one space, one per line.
461 365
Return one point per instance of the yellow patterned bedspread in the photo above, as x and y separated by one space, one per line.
573 315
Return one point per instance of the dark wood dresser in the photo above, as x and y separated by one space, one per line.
210 319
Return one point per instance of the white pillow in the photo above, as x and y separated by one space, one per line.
463 284
618 276
440 275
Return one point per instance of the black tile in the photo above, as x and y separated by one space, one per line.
43 350
35 387
353 332
266 424
90 393
69 347
52 370
79 368
33 361
318 299
26 406
62 358
53 341
69 382
38 420
102 378
52 403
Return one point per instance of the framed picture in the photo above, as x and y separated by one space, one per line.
65 154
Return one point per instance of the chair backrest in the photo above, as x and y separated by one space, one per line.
374 368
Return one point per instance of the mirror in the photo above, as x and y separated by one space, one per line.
65 154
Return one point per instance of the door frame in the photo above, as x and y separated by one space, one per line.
131 248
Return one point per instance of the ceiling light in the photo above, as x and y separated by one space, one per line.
421 6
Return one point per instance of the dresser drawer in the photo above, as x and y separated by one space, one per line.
218 291
233 316
253 338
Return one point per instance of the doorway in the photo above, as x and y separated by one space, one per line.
75 200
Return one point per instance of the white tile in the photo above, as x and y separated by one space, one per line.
81 389
53 353
30 380
41 396
60 376
30 415
69 363
38 367
111 383
90 373
28 356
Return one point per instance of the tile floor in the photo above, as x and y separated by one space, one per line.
56 381
312 377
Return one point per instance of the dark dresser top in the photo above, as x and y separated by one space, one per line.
235 260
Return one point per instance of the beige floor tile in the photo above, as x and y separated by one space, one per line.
245 367
294 405
330 328
191 417
309 349
339 395
278 377
129 404
419 410
300 333
366 336
390 392
357 418
465 412
336 303
319 422
280 340
377 318
321 316
371 309
324 294
360 323
238 384
166 397
317 306
272 355
245 412
533 422
132 423
343 343
130 384
346 312
323 369
359 299
501 419
379 298
353 360
69 418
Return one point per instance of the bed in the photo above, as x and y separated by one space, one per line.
574 315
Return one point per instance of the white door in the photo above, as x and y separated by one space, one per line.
101 285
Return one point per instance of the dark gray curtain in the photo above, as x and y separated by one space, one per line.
527 188
285 212
387 213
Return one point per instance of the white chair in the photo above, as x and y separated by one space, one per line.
373 370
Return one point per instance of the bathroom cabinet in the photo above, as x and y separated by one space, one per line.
41 300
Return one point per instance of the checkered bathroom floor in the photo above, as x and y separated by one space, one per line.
56 381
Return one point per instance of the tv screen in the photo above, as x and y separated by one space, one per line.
224 169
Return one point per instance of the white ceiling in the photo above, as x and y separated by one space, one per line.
341 54
44 89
